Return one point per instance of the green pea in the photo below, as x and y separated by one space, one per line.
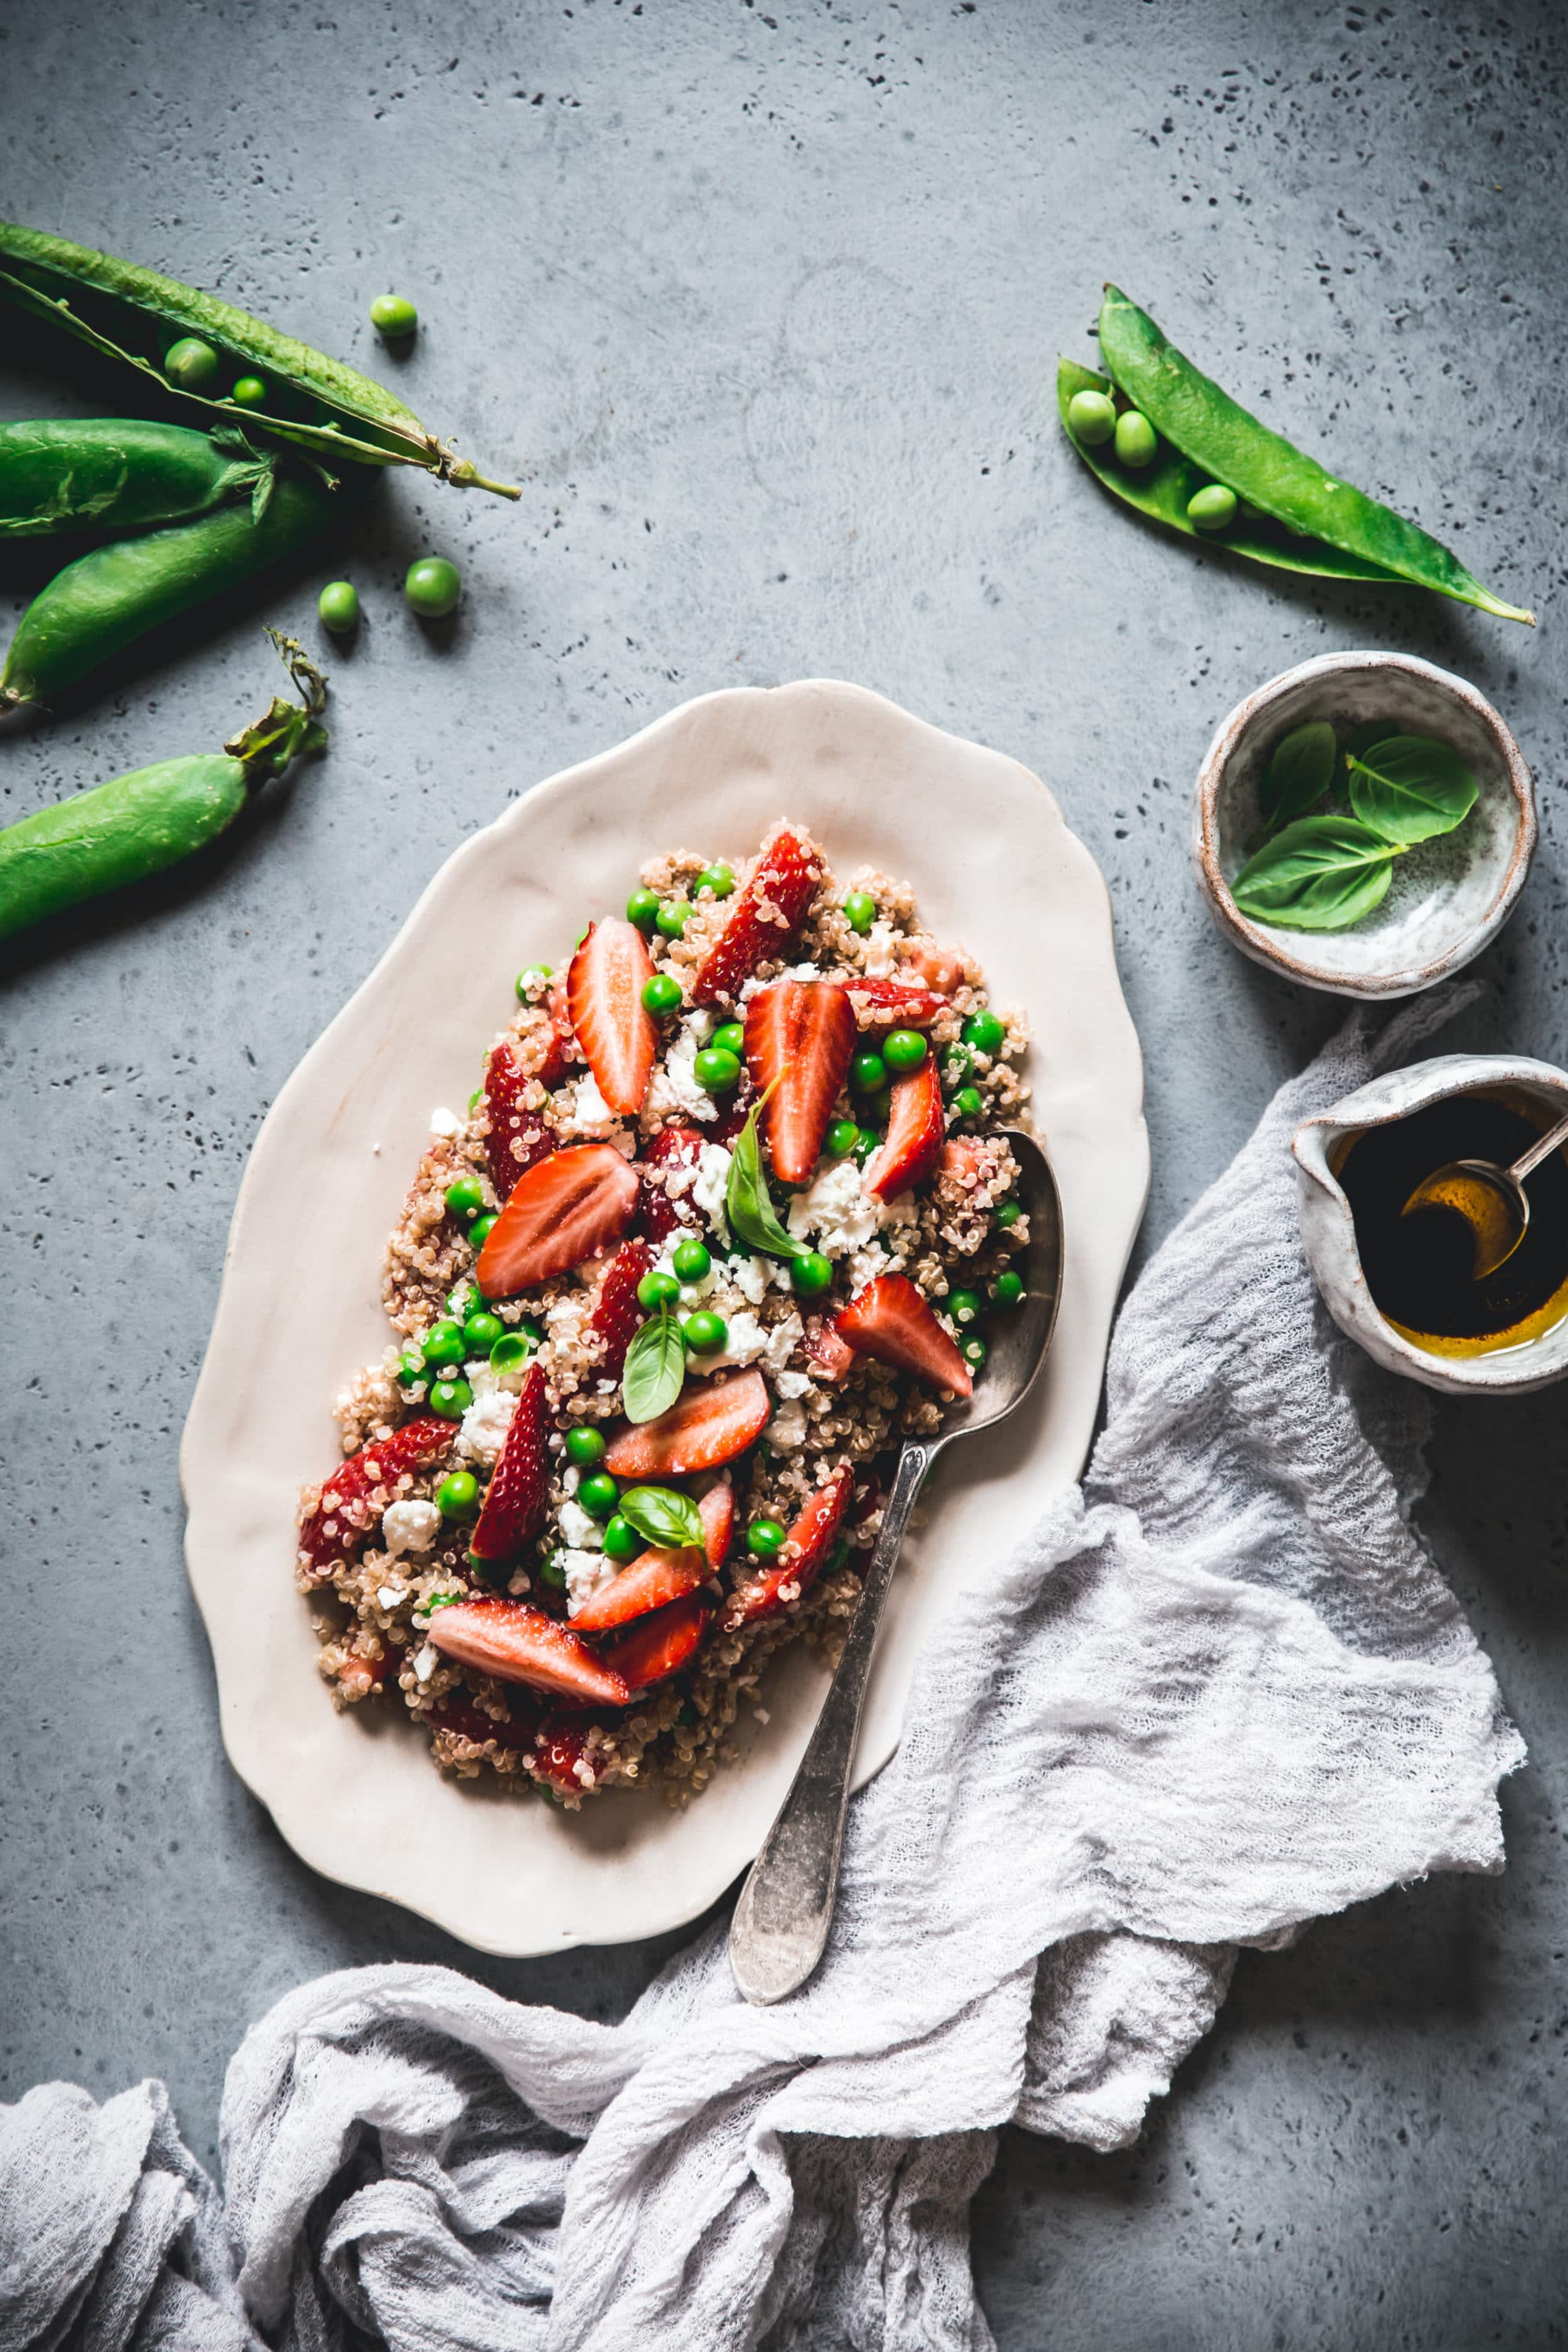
1212 509
464 1198
443 1344
765 1538
1091 417
481 1331
482 1227
716 1070
585 1447
957 1061
876 1109
985 1033
550 1572
706 1332
730 1036
450 1399
337 607
530 980
655 1290
411 1367
457 1495
716 878
841 1139
433 587
512 1351
810 1274
394 315
1008 1215
462 1300
1136 439
661 994
622 1540
692 1261
904 1049
868 1073
973 1351
250 392
969 1102
1008 1288
859 911
598 1495
191 364
671 917
963 1306
867 1142
642 907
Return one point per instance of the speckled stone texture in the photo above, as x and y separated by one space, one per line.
762 311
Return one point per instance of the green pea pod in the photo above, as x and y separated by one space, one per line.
136 315
109 597
141 823
121 474
1232 447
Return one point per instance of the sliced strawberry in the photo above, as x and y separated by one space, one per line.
615 1029
654 1578
963 1162
890 1320
560 1754
520 1644
800 1563
800 1034
518 1136
717 1508
916 1126
517 1496
515 1728
765 917
830 1356
734 1115
671 1149
709 1425
358 1675
893 1004
353 1498
562 1210
661 1644
616 1314
940 968
558 1058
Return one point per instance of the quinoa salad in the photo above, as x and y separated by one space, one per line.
726 1219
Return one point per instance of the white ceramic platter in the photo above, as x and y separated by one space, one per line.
994 867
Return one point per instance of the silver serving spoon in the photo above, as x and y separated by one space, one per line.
781 1923
1492 1200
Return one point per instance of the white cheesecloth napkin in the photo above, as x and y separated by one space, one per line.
1221 1689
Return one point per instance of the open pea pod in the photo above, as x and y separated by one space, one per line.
135 315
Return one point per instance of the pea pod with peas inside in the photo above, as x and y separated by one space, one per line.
141 823
113 475
194 347
1290 512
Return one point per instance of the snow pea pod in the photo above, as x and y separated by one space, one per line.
121 474
1233 448
142 823
109 597
138 316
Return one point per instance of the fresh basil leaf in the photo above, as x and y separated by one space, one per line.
1299 771
1321 874
748 1203
1409 788
666 1517
655 1370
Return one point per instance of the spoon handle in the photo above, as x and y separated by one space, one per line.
1538 1151
781 1922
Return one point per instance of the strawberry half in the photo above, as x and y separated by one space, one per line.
661 1644
616 1032
515 1728
890 1320
518 1136
893 1004
560 1755
940 968
654 1578
616 1314
765 917
520 1644
562 1210
830 1356
661 1211
805 1550
800 1034
916 1126
711 1424
347 1509
517 1498
716 1510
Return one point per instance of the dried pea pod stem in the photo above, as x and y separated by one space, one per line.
134 315
121 474
1235 447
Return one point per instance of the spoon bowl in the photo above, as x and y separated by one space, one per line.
1492 1200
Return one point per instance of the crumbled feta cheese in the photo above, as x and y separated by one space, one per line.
840 1216
750 1276
782 1341
879 948
390 1595
447 1122
582 1111
702 1021
746 1341
409 1527
586 1572
674 1086
577 1529
803 971
902 1210
710 1183
426 1663
863 1267
792 1384
482 1432
788 1427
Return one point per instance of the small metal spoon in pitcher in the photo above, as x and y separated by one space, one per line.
1492 1200
779 1927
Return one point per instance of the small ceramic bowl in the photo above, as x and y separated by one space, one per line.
1328 1227
1447 900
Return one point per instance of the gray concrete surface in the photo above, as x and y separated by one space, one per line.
762 308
